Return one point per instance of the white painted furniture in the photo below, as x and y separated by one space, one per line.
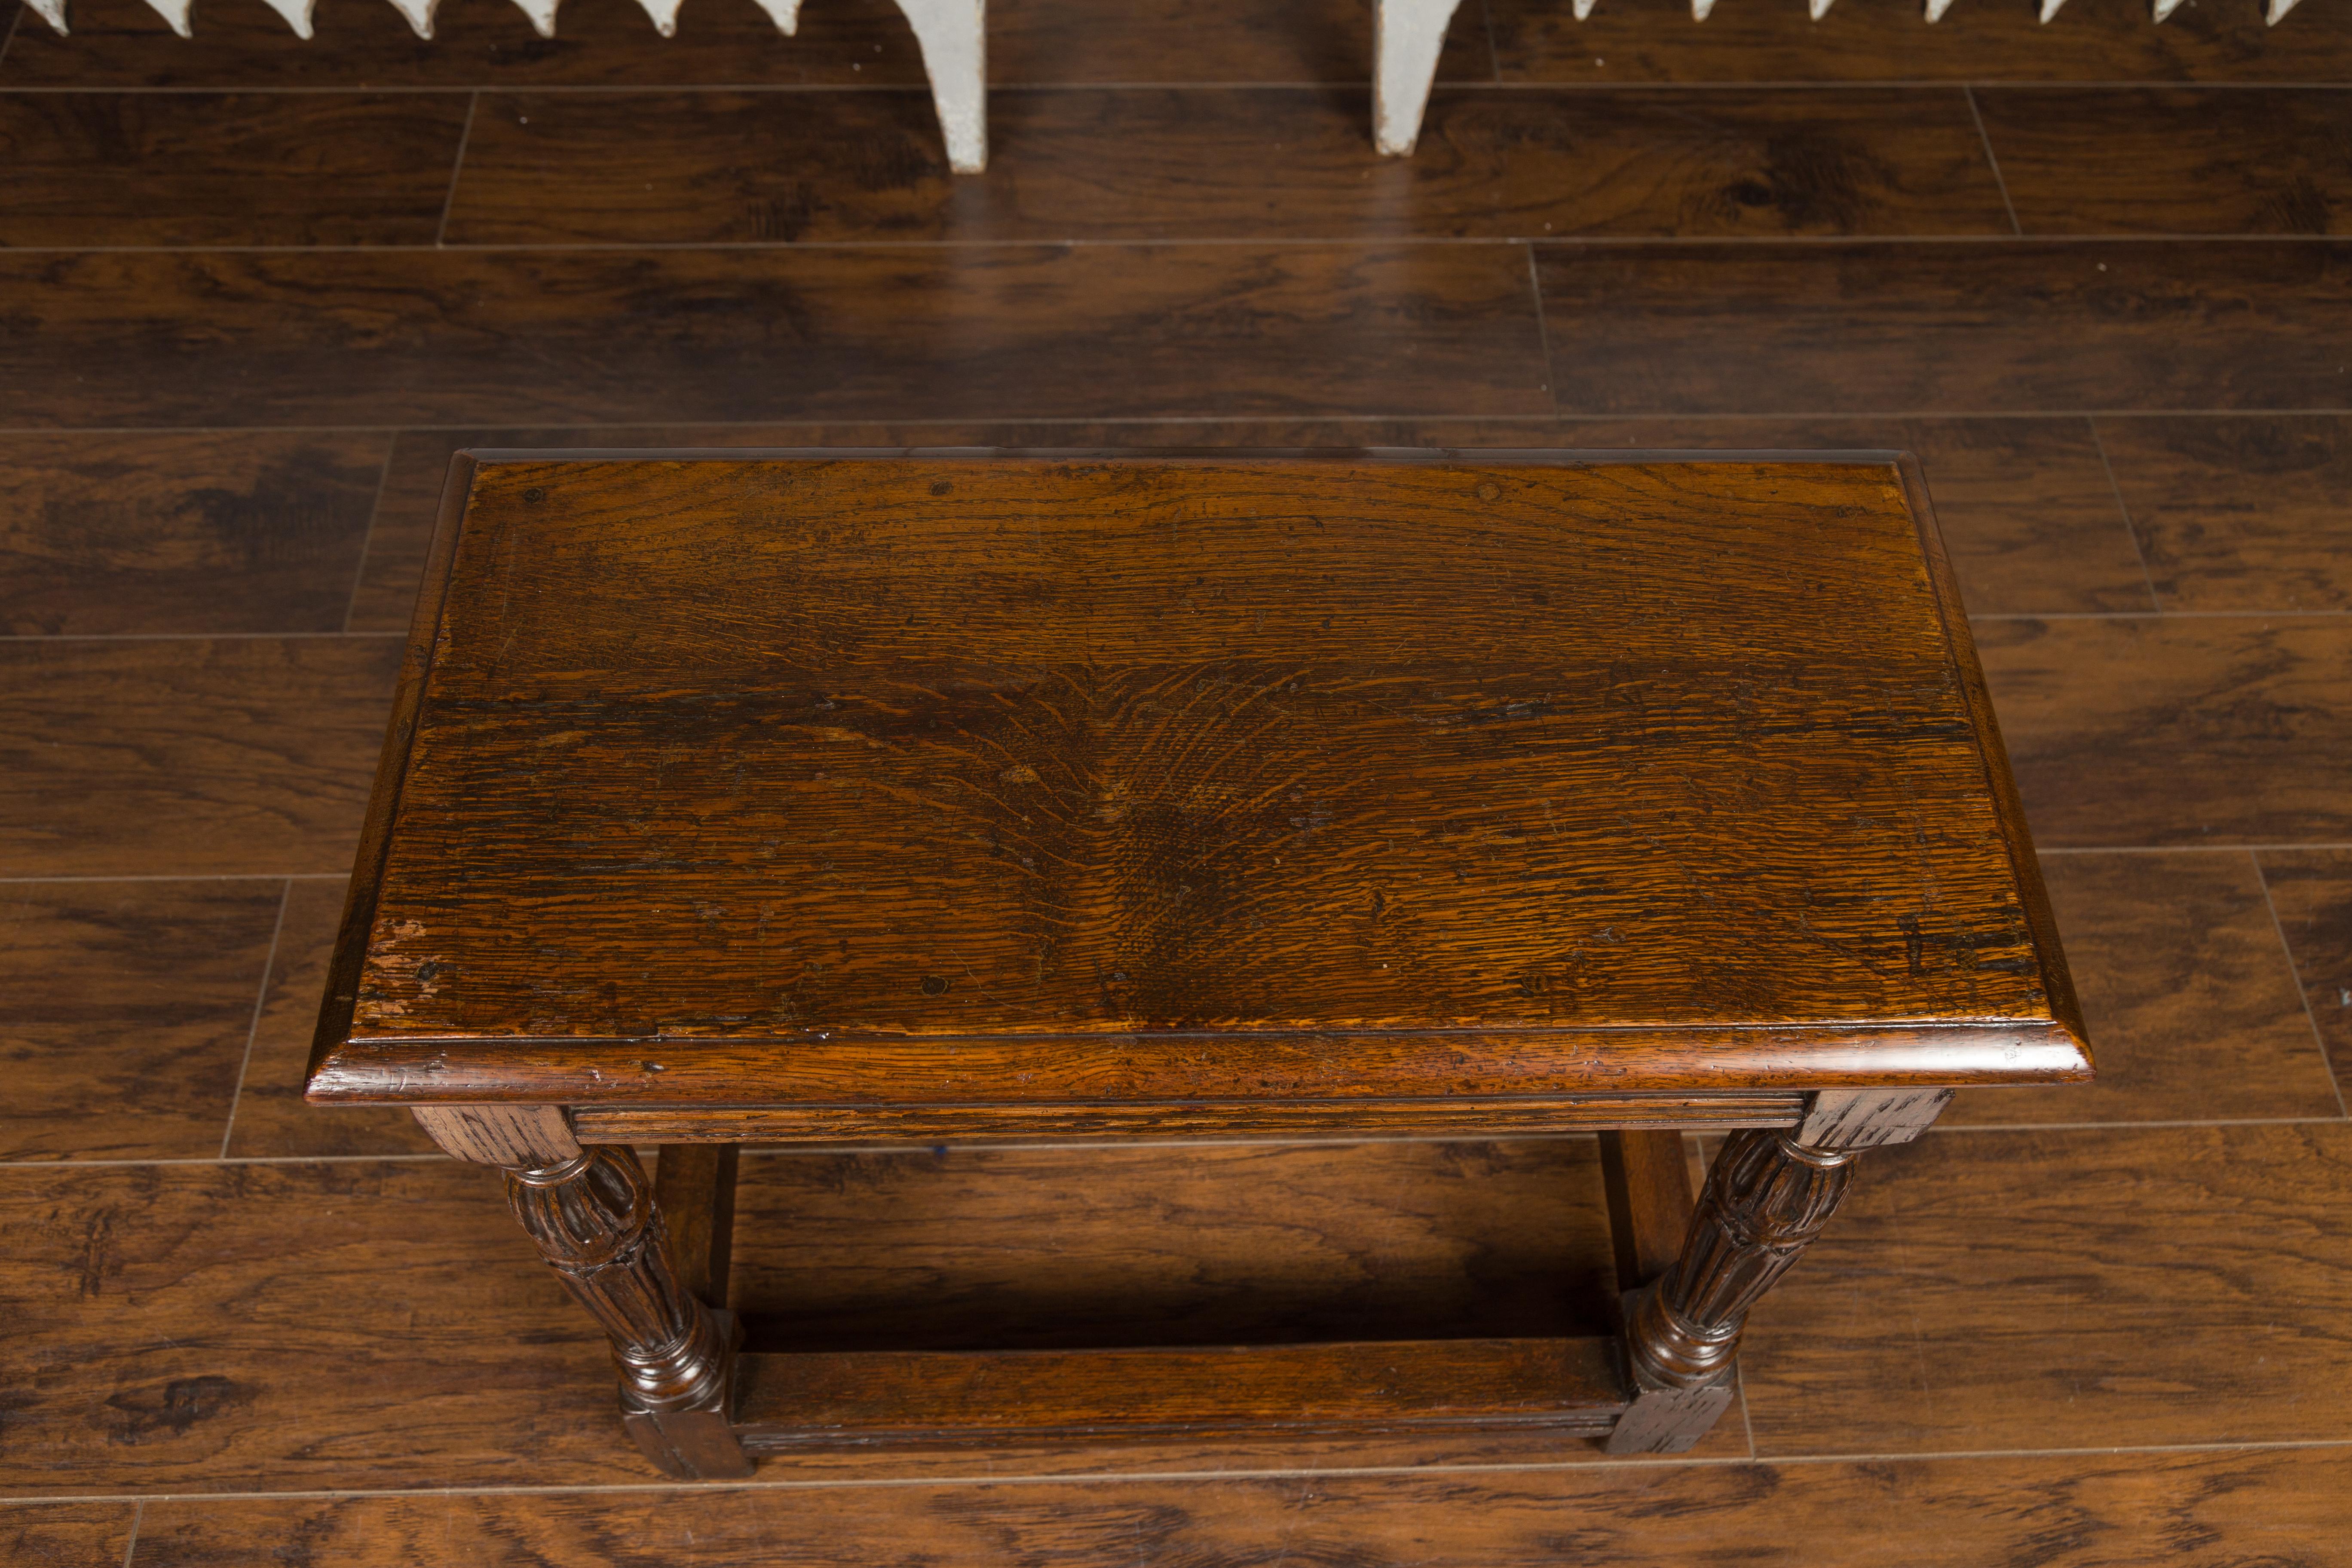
1407 36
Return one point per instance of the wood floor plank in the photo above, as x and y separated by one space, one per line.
2154 732
67 1534
188 757
1151 1247
2239 513
453 337
168 168
1139 164
2091 40
124 1012
2157 159
2280 1508
2311 892
609 43
2025 506
361 1324
2193 1009
2085 1289
194 533
271 1120
2022 326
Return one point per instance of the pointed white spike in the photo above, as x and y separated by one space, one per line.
2279 8
53 12
297 13
419 14
174 12
541 13
1700 9
2166 7
1819 8
665 16
785 13
953 36
1407 36
1936 9
1585 9
2050 9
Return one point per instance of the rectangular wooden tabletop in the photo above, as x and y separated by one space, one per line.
739 778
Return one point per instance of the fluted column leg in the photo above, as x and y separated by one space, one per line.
593 1220
1767 1198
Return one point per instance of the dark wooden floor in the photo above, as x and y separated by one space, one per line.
255 292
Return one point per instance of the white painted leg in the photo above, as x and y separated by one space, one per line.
174 12
297 13
1936 9
2279 8
2050 9
53 12
1702 9
419 14
1819 8
665 16
784 14
541 13
1406 37
2164 8
1583 8
954 38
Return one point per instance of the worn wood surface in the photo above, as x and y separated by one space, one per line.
341 1330
785 1402
1647 1176
1228 775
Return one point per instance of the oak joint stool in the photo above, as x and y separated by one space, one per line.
830 798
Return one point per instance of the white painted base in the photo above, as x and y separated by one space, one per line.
784 14
297 13
420 14
174 12
53 12
954 38
541 13
1406 37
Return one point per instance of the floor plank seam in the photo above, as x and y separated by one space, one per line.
260 1002
1984 140
2123 509
382 481
2318 1035
1116 1478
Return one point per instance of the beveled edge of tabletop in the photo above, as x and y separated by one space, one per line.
714 1069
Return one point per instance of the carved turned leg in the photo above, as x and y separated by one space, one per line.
1767 1197
591 1212
594 1222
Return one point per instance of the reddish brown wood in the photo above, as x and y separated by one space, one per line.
1070 779
860 1398
594 1222
1647 1175
694 1190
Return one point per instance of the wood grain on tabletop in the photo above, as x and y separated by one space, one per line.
1124 718
1139 164
272 1120
2311 892
2241 513
900 332
103 532
2187 991
136 168
264 1326
2090 1510
2091 40
606 43
2027 326
124 1011
2148 731
188 756
2085 1289
2028 514
2172 160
